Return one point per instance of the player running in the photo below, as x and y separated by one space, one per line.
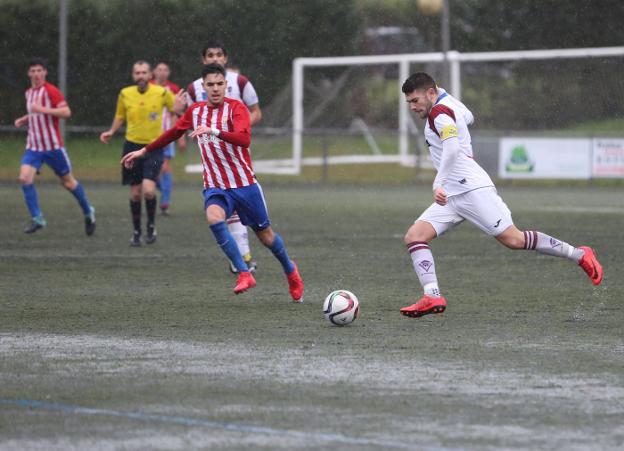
241 89
463 190
45 104
221 126
165 180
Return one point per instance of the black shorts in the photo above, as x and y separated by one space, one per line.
147 167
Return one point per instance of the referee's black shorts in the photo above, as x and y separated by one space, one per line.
147 167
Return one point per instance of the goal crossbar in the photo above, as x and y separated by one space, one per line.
454 60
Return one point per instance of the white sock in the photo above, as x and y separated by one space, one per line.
424 266
546 244
239 232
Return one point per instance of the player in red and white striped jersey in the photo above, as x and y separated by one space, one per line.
45 105
240 88
165 179
221 126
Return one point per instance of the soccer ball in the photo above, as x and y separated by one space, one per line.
341 307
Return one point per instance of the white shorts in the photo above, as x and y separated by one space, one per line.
483 207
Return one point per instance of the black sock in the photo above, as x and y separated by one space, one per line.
135 210
150 205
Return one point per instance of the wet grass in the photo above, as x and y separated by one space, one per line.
527 356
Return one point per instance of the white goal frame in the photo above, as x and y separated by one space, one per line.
454 58
292 166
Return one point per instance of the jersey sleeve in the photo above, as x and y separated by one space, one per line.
185 122
241 130
442 122
120 111
248 92
56 97
190 91
173 87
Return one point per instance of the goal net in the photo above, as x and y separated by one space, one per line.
350 110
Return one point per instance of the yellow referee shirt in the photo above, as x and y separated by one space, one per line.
142 112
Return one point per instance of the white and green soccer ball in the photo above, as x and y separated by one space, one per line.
341 307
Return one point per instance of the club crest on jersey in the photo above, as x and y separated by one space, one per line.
153 116
426 265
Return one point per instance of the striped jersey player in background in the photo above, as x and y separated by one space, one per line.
162 73
462 190
221 126
241 89
45 104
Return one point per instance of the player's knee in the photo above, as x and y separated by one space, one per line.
266 236
69 184
513 242
25 179
415 234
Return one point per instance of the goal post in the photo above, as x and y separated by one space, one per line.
326 128
403 61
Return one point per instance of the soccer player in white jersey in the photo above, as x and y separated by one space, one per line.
241 89
221 126
46 105
462 190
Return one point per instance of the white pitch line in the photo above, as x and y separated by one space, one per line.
184 421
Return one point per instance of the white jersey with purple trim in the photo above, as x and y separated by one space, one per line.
238 87
449 119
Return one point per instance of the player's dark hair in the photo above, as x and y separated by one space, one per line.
142 62
38 62
213 68
419 80
214 44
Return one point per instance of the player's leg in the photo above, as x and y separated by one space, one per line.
417 241
28 170
273 241
152 163
218 207
165 180
252 209
136 195
148 188
239 232
134 178
58 160
584 256
433 222
487 210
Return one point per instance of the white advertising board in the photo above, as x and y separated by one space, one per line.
608 157
545 158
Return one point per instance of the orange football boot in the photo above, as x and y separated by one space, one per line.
295 285
244 282
591 265
425 306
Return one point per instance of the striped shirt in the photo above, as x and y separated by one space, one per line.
43 129
225 159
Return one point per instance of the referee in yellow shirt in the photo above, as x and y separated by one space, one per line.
141 106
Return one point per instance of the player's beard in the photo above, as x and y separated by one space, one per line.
142 84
